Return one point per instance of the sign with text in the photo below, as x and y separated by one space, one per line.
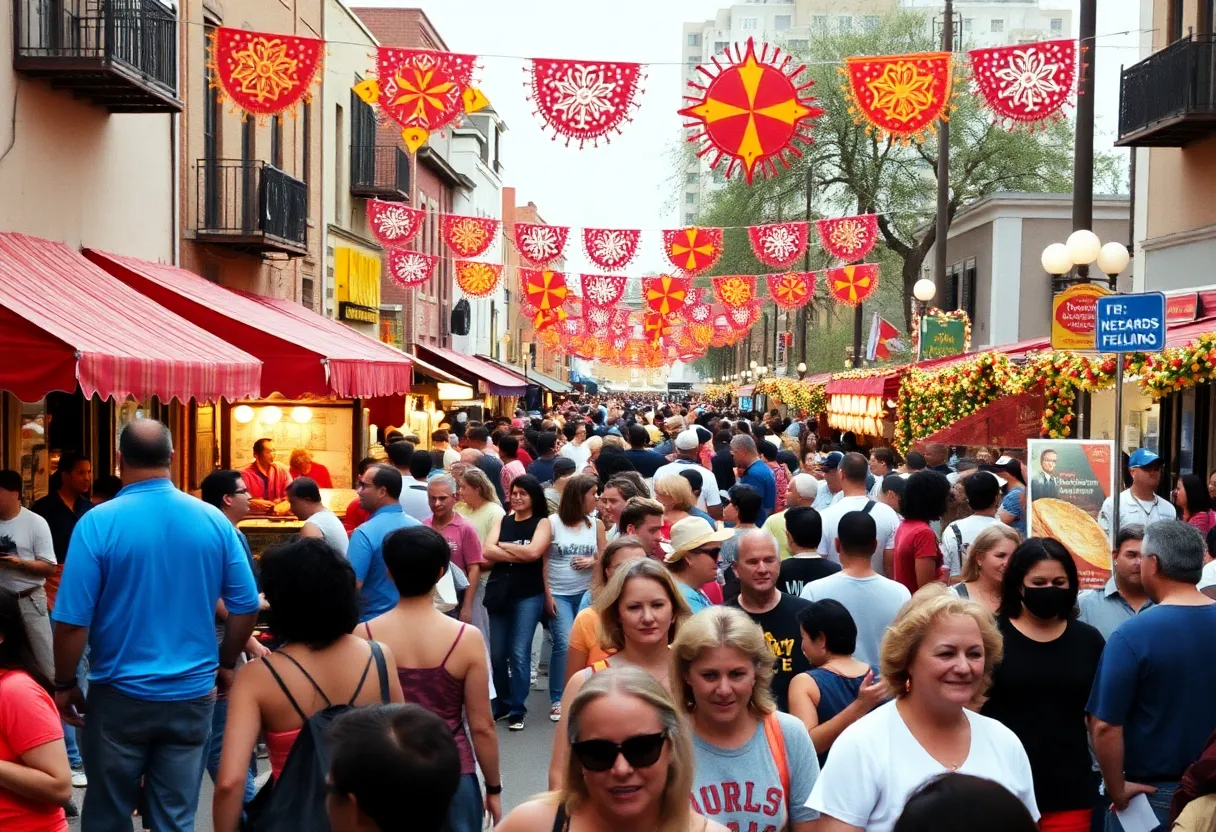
941 337
1181 308
1072 316
1131 323
357 284
1068 480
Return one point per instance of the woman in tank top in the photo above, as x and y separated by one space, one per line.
578 538
838 690
314 607
515 595
441 664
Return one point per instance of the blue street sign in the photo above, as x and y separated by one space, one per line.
1131 323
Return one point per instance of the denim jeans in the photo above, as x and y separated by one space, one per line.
1159 800
468 808
567 608
215 747
511 647
163 742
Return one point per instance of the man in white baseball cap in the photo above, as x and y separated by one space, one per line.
688 444
692 558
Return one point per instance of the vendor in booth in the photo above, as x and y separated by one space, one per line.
302 465
266 479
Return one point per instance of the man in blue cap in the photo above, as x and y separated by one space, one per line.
1139 504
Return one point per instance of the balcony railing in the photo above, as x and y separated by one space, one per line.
252 205
379 171
1169 98
121 54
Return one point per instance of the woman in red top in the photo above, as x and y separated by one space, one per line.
1194 503
303 466
35 778
918 558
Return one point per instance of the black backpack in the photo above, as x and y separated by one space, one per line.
295 802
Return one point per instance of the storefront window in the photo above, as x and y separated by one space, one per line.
128 412
1186 432
35 454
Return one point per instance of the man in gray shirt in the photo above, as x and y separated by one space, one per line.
27 559
1123 596
871 599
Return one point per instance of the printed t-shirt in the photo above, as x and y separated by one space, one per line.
462 540
1155 679
801 570
28 719
28 537
741 788
915 541
876 764
784 638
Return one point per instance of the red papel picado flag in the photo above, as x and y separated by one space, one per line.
262 73
693 250
792 289
1026 83
665 294
734 290
848 238
851 285
546 291
778 244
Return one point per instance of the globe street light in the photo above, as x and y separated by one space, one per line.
1083 247
1113 259
1056 259
801 369
924 290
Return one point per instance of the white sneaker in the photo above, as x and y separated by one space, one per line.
79 781
555 712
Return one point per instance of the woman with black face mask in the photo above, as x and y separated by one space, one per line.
1040 689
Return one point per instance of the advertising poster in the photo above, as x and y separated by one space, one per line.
942 337
1068 481
1074 316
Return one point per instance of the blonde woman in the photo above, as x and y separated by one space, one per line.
478 502
937 657
584 648
594 445
628 764
755 767
640 612
984 566
674 492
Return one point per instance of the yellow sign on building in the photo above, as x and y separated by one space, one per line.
357 285
1074 316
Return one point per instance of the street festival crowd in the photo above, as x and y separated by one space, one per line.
752 627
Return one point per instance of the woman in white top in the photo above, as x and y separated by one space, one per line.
984 566
937 657
578 539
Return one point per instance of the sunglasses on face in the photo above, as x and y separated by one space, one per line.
641 751
713 553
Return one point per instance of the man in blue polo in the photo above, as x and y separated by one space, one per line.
141 583
756 473
379 490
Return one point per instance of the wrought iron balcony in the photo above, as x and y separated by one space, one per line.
379 171
252 206
1169 98
121 54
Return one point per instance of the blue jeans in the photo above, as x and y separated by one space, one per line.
468 808
567 608
511 635
165 743
1159 800
215 747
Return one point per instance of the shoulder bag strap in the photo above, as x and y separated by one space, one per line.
283 687
366 668
776 747
381 672
958 538
869 507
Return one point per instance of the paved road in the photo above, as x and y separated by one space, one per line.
525 762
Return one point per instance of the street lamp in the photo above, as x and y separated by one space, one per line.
753 365
924 290
801 370
1069 262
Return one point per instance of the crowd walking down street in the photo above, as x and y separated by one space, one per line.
875 669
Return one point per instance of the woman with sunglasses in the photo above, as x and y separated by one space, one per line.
692 557
629 763
755 767
584 649
640 612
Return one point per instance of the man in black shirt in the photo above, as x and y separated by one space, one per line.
64 506
643 458
804 528
722 463
776 612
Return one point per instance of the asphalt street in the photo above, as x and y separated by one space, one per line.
525 762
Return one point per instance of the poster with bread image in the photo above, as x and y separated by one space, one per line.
1068 480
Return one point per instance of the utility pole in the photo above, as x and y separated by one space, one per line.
943 161
802 319
1083 152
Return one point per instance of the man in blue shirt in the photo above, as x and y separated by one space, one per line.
1151 705
380 495
756 473
141 584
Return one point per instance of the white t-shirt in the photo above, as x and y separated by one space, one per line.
1132 510
876 764
580 454
709 483
968 528
332 531
413 498
28 537
886 521
825 497
1207 577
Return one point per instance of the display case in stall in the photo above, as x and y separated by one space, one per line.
265 532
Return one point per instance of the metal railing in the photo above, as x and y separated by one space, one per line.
142 34
1179 80
379 168
243 198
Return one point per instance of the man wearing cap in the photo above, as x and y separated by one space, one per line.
1139 504
688 444
755 472
833 479
692 558
801 491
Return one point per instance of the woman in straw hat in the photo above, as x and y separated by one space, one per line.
692 557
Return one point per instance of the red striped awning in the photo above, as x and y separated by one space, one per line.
303 352
492 379
64 321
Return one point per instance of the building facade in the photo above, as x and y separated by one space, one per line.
524 349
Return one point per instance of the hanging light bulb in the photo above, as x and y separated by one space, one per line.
243 413
271 415
301 414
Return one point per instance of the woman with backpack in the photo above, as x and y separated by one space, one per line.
292 695
755 766
442 666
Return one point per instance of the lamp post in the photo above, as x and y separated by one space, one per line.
923 290
1069 262
801 370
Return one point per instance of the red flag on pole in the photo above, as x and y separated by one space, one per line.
884 337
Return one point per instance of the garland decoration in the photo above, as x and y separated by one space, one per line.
942 317
468 236
602 289
852 284
546 292
584 100
848 238
792 289
540 244
752 111
262 73
899 96
1026 83
665 294
779 244
795 394
477 279
393 224
410 268
735 290
693 250
611 249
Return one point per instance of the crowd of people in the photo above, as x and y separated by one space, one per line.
751 627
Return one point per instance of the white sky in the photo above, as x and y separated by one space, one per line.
625 184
